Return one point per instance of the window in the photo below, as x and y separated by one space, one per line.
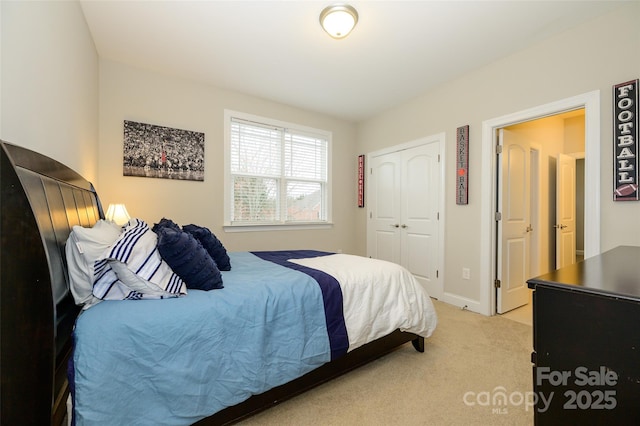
276 173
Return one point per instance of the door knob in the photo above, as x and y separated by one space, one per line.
404 226
395 225
559 226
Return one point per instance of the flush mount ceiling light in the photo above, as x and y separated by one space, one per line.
338 20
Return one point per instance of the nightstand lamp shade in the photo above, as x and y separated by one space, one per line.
118 213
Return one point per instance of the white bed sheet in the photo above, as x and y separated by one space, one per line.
378 297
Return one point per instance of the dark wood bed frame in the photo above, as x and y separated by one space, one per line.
40 201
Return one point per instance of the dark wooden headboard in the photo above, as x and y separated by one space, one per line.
41 200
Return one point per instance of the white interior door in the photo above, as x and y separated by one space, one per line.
419 223
383 226
565 211
404 203
514 226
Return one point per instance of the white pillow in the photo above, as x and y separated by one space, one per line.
83 247
137 283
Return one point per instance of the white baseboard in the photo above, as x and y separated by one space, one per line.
462 302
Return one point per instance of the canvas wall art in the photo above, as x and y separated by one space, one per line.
162 152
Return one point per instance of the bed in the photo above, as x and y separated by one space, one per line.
42 200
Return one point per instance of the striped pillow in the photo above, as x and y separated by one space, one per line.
133 269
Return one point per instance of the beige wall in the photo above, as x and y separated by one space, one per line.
132 94
594 56
49 82
574 135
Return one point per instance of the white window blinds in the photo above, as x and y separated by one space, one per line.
278 175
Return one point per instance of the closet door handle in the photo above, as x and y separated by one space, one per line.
395 225
404 226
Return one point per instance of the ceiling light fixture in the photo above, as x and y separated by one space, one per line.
338 20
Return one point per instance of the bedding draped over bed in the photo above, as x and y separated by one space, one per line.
176 361
331 294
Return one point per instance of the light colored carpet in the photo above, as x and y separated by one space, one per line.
523 314
469 359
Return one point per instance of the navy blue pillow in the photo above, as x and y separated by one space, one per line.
186 256
212 244
165 223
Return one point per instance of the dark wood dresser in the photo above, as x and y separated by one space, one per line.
586 341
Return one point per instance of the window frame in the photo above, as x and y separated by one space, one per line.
231 226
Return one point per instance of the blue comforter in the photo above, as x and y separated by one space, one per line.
175 361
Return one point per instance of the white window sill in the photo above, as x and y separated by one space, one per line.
276 227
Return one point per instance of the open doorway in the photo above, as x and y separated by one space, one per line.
538 198
591 103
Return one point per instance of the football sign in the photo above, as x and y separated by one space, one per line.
625 132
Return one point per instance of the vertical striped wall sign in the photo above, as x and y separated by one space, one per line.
361 181
625 141
462 165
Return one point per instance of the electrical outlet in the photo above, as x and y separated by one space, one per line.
466 273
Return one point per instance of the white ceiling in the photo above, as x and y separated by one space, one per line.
277 50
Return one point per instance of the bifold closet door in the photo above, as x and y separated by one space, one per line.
403 211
